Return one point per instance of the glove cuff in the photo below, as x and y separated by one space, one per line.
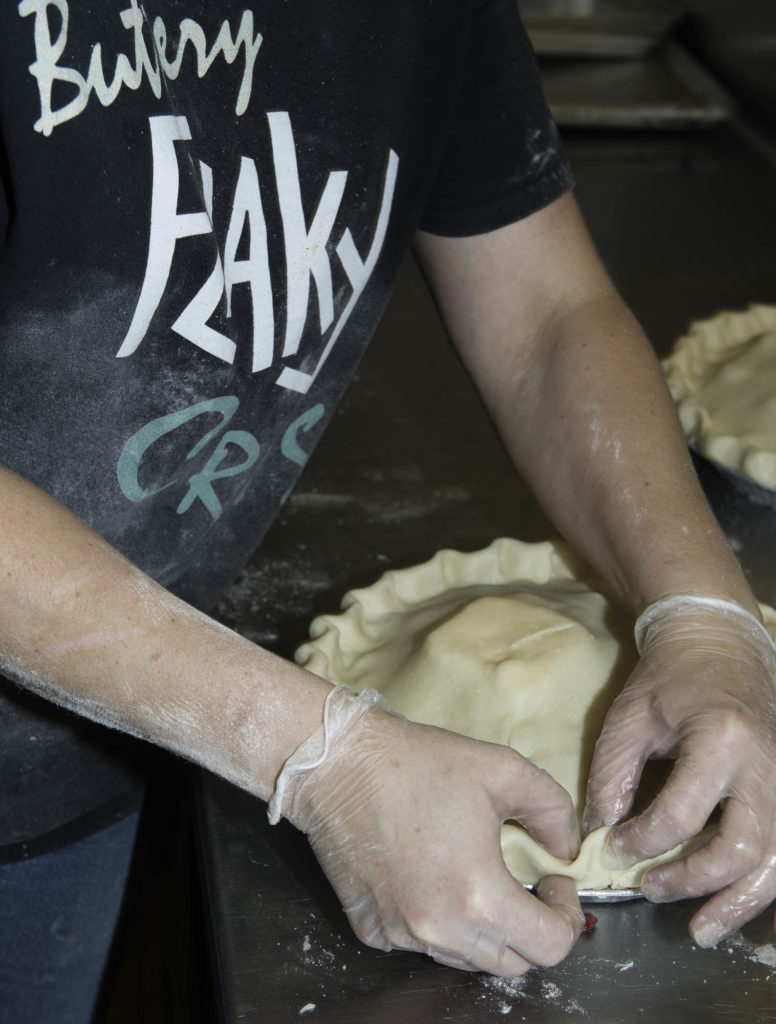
341 711
674 604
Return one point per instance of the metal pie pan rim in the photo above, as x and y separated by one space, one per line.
605 895
610 895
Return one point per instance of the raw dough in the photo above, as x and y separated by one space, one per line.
517 644
722 375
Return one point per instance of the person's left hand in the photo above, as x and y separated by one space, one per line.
702 695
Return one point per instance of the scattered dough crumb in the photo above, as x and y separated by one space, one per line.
307 1008
505 986
306 947
764 954
624 966
550 991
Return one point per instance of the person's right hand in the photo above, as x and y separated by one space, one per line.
406 819
703 696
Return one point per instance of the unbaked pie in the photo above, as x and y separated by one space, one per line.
722 375
518 644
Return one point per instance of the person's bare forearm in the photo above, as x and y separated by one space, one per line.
593 430
579 400
84 627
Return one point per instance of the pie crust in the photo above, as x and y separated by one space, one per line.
518 644
722 375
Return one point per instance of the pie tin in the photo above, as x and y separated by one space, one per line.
610 895
741 484
604 895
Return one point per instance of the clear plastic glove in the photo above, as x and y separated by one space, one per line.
405 820
702 695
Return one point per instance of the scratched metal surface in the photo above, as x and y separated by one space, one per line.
409 465
288 947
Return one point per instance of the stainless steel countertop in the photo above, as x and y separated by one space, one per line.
410 464
287 946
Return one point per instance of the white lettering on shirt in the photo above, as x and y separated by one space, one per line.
307 252
47 70
359 271
254 270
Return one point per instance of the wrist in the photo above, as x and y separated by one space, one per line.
342 714
700 610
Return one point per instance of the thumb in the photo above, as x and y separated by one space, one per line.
621 752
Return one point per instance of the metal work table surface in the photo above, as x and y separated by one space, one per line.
410 464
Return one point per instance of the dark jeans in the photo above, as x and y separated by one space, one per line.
58 913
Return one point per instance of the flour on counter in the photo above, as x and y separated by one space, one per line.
505 986
552 993
509 991
315 955
764 954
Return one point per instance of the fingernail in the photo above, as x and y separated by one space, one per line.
592 821
708 933
655 891
615 855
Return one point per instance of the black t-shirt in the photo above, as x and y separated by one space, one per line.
207 206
